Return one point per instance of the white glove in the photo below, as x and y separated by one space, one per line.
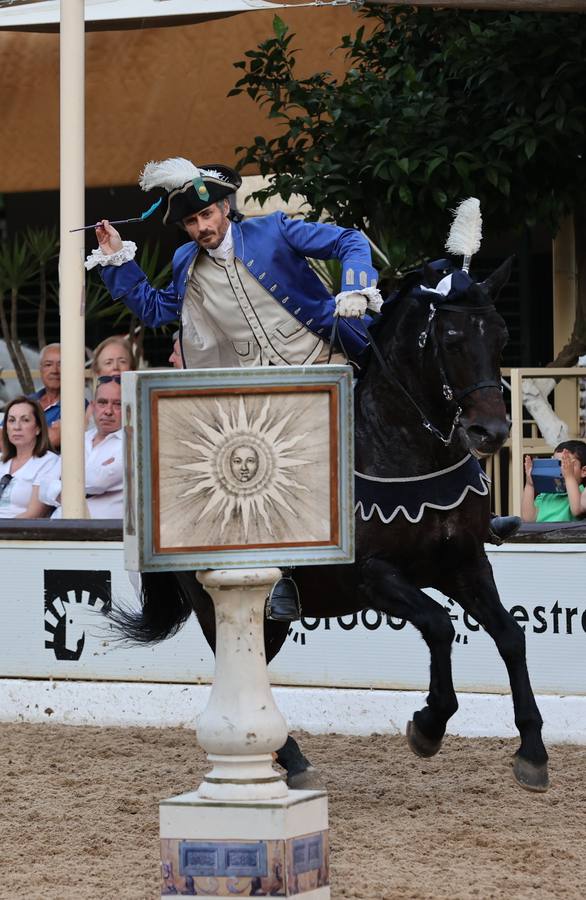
351 305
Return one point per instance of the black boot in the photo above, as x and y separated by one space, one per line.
503 527
283 601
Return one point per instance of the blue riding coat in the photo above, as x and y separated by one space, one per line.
274 249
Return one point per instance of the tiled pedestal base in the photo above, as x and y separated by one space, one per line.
269 848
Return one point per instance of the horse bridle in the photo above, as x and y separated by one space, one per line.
449 394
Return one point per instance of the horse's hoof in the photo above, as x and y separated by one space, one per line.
530 776
421 745
308 780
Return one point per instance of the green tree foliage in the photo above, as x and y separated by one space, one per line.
43 245
17 267
25 279
436 105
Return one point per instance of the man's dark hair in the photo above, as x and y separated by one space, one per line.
234 214
578 448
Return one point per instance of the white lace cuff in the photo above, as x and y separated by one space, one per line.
374 301
98 258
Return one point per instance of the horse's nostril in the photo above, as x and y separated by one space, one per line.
478 433
480 436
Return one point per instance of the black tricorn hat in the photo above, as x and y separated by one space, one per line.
190 188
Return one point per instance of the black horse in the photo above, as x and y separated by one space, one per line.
427 406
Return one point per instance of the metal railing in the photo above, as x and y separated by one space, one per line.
11 374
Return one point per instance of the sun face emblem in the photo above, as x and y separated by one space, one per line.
245 467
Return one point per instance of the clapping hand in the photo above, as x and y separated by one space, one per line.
570 467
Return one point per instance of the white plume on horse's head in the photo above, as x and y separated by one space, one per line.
466 232
168 174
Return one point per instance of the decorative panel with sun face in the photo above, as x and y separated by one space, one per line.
238 467
249 469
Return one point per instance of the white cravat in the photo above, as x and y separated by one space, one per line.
226 249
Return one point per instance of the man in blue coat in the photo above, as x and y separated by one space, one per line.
244 292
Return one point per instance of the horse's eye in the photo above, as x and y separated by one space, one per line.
452 337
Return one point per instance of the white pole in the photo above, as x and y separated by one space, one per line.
516 470
71 270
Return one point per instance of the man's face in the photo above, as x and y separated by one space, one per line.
51 369
208 227
175 358
244 463
108 408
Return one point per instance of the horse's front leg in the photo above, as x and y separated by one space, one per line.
476 592
389 591
301 775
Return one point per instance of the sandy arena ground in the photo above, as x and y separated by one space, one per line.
80 816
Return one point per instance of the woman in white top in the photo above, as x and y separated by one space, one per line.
25 460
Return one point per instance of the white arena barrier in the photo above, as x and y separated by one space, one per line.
59 660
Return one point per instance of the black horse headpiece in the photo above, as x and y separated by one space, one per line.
441 282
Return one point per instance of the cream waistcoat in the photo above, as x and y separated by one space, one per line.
230 320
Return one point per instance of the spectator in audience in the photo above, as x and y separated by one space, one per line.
113 356
49 396
176 359
104 468
558 507
26 460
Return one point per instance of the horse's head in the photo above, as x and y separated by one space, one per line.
468 335
441 339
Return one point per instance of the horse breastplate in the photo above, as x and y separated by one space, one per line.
411 496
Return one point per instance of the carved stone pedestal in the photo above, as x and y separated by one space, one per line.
243 833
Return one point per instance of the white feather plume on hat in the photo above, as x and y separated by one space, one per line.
168 174
465 234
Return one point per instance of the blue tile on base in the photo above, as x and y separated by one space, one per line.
273 868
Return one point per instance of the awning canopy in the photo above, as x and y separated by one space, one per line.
71 18
150 92
43 15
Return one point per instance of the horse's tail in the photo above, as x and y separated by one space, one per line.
166 604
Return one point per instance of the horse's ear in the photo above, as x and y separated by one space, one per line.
433 272
498 279
431 278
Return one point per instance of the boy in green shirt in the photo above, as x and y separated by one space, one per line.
558 507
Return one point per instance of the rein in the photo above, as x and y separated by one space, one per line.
394 382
